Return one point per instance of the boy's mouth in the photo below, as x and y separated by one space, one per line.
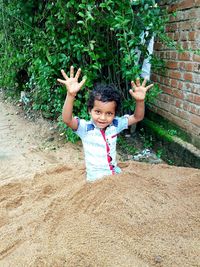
102 122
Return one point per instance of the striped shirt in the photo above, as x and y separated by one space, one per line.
100 146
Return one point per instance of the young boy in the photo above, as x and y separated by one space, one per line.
99 135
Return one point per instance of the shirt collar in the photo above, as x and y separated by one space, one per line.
92 125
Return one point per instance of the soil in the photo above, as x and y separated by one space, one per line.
50 216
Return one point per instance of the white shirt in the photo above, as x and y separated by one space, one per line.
100 146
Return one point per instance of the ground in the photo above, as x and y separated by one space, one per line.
49 216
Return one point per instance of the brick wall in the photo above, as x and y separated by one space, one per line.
180 100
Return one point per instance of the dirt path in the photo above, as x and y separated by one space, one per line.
49 216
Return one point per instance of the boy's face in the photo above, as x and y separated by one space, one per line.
103 113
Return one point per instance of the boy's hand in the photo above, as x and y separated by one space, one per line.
138 91
72 84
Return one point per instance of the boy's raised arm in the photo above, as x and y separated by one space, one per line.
138 91
73 87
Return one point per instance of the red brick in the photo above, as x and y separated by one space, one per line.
174 55
195 90
184 56
192 87
161 79
165 80
178 94
172 64
167 90
185 45
164 98
194 45
186 106
158 46
154 77
182 65
177 36
186 4
195 110
189 66
191 13
190 97
188 85
171 35
196 58
178 103
174 83
172 18
188 77
186 25
173 8
180 85
194 98
172 27
192 36
174 74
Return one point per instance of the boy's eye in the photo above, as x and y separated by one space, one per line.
109 113
97 111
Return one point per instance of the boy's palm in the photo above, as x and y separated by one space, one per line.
139 91
72 84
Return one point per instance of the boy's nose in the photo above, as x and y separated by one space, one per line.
103 116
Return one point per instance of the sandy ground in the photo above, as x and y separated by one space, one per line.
49 216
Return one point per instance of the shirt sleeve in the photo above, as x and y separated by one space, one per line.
122 123
82 128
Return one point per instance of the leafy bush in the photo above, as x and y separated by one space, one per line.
38 38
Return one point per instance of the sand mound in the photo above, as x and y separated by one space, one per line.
50 217
147 216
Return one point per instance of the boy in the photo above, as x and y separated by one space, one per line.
99 135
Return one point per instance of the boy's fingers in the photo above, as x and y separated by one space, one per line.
144 82
131 93
82 82
149 86
78 73
133 84
64 74
137 81
61 81
71 72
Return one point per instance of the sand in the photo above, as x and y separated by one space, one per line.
49 216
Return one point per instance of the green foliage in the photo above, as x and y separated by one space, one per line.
125 146
159 153
39 38
146 139
159 130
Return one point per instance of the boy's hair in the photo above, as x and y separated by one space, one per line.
104 93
